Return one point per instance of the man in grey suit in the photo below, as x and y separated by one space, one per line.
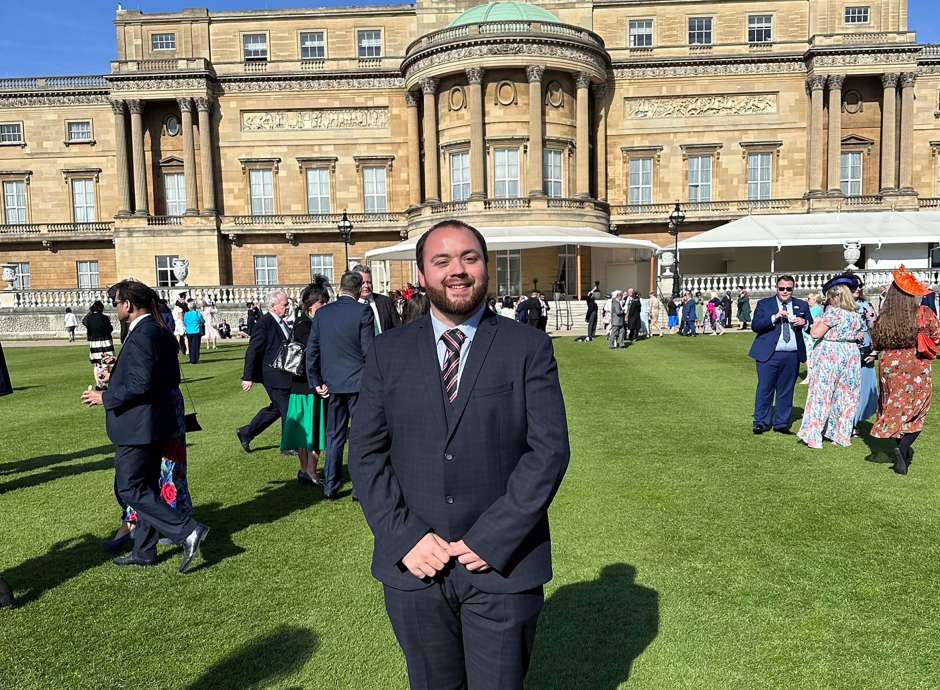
616 321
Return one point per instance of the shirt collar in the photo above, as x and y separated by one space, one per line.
133 324
469 327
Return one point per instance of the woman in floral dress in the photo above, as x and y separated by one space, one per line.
835 374
906 377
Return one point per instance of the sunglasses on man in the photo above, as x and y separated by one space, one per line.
784 289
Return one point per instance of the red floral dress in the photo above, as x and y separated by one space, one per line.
906 385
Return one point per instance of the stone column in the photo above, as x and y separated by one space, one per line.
120 159
141 207
204 106
815 85
835 82
477 143
189 156
414 151
536 134
889 134
583 142
431 194
600 93
906 154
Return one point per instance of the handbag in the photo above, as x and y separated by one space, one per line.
289 357
926 347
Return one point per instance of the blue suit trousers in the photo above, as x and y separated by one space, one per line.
776 378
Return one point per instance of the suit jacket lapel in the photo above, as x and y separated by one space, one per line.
479 347
431 371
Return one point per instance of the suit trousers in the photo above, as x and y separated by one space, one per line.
592 325
338 413
776 378
456 637
194 340
617 335
137 483
277 409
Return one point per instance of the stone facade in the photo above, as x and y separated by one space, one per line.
514 123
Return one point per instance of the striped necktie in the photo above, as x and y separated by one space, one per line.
450 372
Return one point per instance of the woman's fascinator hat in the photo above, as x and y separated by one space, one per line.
907 283
850 280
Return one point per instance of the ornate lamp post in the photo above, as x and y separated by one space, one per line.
345 230
676 219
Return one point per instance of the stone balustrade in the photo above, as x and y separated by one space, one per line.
503 28
764 284
182 64
34 230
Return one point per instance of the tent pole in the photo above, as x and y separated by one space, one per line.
652 273
578 252
773 259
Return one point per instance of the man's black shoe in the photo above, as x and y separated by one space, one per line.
784 430
331 497
242 440
191 546
131 559
758 429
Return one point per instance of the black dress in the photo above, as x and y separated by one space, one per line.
6 386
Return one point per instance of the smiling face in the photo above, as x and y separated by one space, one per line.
784 290
454 273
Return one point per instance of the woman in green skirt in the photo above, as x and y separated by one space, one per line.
305 425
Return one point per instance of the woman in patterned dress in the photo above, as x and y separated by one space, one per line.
906 378
835 374
868 400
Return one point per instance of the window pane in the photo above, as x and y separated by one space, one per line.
641 33
10 133
856 15
80 131
255 46
700 31
312 45
460 176
370 44
375 197
83 200
265 270
262 192
700 178
88 275
163 42
23 280
14 202
759 168
552 174
641 181
507 173
165 277
851 174
760 28
321 264
509 272
318 191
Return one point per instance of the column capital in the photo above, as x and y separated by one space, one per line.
600 92
203 105
475 75
535 72
835 81
816 82
117 106
429 86
411 99
136 106
583 80
889 80
908 79
185 104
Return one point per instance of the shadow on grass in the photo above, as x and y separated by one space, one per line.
54 473
262 661
30 464
880 447
590 633
65 560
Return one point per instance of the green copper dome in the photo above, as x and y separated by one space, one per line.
505 12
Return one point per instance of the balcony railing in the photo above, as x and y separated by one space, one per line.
761 284
164 220
331 219
34 229
276 67
183 64
224 296
507 203
510 28
90 81
450 207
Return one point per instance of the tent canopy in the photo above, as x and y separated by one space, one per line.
818 229
502 238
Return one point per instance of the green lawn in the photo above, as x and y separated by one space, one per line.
688 553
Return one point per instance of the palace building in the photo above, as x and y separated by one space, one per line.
787 130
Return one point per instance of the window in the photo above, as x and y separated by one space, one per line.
11 133
509 272
760 28
851 174
375 197
265 270
641 180
23 280
255 46
700 31
759 167
552 174
322 264
165 275
175 186
83 200
460 176
568 269
79 130
700 178
262 192
88 275
312 45
856 15
163 41
507 173
14 202
370 43
641 33
318 191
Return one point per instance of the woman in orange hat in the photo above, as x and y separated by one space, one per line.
906 377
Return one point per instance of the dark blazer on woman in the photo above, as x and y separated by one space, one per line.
299 385
97 325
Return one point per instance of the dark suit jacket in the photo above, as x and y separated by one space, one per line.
266 340
633 312
768 333
341 335
139 404
388 314
483 469
688 311
533 308
930 301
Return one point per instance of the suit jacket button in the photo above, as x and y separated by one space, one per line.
448 499
449 457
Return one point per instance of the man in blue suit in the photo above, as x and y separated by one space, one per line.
459 443
340 338
778 349
687 327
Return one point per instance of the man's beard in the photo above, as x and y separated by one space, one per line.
468 305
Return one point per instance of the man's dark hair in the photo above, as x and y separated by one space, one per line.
140 295
350 282
453 223
785 277
362 268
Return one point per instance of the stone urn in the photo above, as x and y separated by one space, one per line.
181 271
9 275
667 260
852 253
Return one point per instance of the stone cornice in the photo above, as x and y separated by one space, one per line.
694 67
51 99
307 82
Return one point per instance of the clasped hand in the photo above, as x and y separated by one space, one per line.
432 554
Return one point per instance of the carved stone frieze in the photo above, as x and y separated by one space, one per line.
515 48
700 106
841 59
702 69
158 84
311 84
46 99
314 119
